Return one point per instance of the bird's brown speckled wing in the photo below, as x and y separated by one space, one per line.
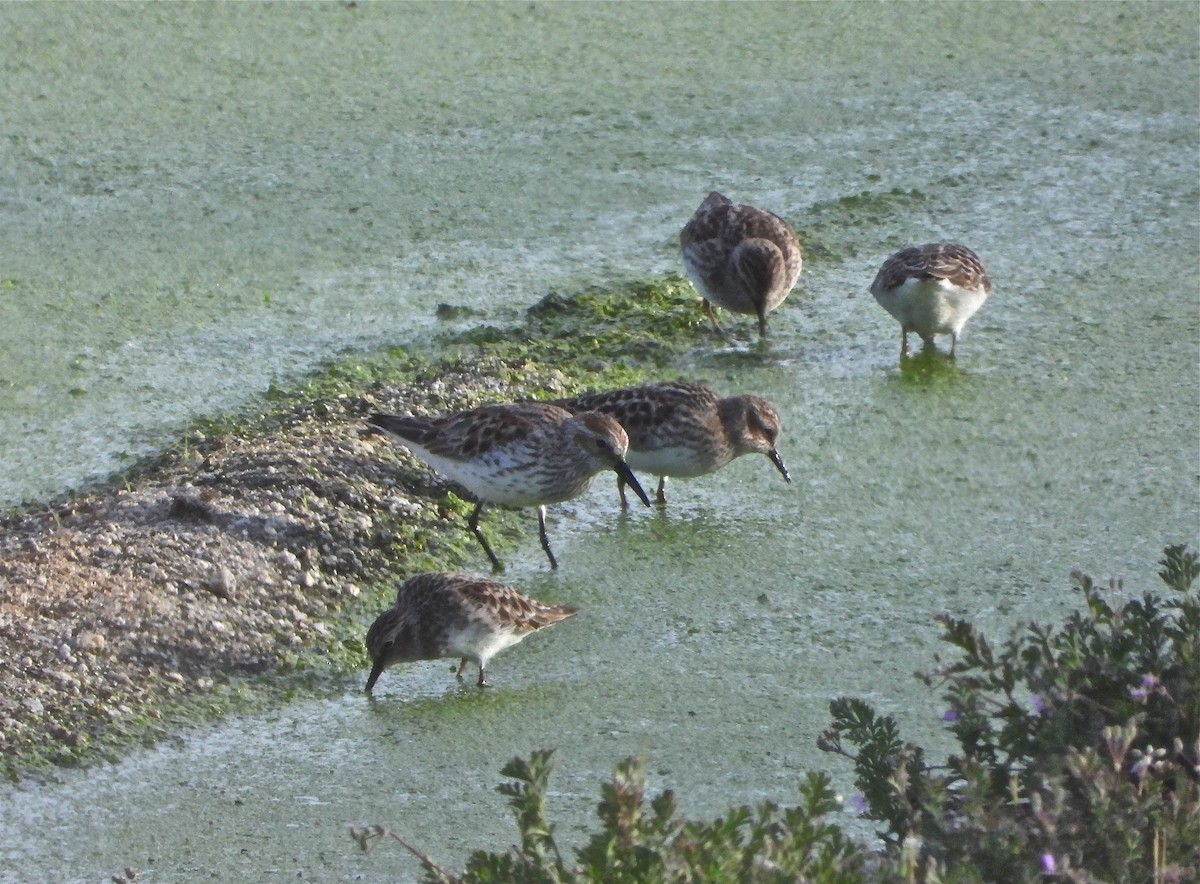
954 263
469 434
719 225
721 220
707 222
640 408
509 608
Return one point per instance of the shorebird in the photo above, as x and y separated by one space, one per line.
932 290
739 257
684 428
517 454
455 615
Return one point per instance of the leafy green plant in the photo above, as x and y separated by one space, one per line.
1080 747
647 842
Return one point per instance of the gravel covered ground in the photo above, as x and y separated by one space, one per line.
222 559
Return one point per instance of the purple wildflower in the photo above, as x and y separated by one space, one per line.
858 802
1039 704
949 715
1049 863
1138 769
1148 686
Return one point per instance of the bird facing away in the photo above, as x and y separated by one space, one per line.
684 428
932 290
454 615
516 455
741 258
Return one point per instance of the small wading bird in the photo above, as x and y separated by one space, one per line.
516 455
741 258
454 615
932 290
684 429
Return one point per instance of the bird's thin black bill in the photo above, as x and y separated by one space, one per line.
625 473
376 671
778 461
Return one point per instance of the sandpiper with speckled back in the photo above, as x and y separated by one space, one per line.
932 290
517 454
684 428
445 614
739 257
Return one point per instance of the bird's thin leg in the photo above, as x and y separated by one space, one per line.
545 539
712 317
621 491
762 325
473 524
953 343
482 680
461 666
903 343
662 490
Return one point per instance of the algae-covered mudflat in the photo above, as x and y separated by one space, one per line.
209 207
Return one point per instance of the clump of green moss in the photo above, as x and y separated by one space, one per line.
833 229
600 331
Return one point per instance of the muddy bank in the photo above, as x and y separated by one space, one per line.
242 548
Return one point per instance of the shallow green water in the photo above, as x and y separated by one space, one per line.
361 165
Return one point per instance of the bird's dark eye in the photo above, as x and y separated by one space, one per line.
772 433
387 645
601 445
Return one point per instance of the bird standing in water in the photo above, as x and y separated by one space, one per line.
455 615
517 454
739 257
932 290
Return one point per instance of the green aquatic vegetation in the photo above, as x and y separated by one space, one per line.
929 368
140 725
644 321
833 229
595 338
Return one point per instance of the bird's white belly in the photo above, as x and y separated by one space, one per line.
932 307
505 481
676 461
476 641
